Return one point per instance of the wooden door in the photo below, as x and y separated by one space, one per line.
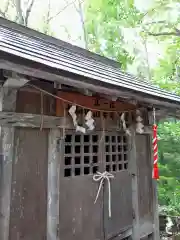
116 162
80 218
82 157
29 185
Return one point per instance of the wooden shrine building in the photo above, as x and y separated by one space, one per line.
67 117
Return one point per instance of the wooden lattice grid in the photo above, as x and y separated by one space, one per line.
81 153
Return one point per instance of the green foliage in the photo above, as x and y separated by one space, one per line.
169 158
104 19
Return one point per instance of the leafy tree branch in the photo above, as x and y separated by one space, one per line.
28 11
176 32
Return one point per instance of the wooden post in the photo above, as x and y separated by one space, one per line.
133 172
7 103
156 234
53 185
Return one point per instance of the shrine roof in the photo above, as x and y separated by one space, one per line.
33 50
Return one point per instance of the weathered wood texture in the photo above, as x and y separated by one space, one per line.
155 206
83 156
7 137
121 194
134 185
36 70
92 102
116 149
80 218
35 102
29 185
144 167
13 119
28 120
7 103
156 234
53 184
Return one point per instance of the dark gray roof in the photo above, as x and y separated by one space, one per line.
31 45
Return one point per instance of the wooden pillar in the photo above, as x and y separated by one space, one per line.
156 234
7 103
133 172
53 185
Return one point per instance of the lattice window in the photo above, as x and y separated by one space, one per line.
116 153
81 154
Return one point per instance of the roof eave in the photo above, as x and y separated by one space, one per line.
41 71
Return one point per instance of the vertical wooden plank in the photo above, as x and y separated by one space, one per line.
133 171
116 159
144 168
7 103
79 217
28 218
156 233
53 185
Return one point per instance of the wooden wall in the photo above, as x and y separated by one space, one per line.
144 177
28 209
29 203
32 101
29 185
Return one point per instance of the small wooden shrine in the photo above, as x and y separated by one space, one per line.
76 143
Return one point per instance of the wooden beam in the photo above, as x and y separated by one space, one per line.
126 234
91 103
32 120
15 82
133 172
8 103
164 114
13 119
45 73
53 184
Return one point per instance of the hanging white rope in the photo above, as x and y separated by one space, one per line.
101 177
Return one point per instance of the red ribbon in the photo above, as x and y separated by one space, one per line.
155 153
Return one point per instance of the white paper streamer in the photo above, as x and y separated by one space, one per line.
89 121
80 129
127 131
139 124
88 118
72 112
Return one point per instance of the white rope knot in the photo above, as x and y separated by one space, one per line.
102 177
